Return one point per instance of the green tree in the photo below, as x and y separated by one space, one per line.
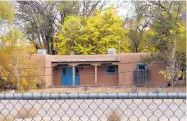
40 19
37 21
91 34
67 8
169 37
138 27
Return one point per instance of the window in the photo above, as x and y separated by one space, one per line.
77 70
64 71
141 66
111 69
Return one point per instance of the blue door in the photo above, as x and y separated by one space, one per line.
67 79
77 79
67 76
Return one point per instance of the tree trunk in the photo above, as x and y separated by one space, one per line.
185 76
17 73
173 57
53 51
136 50
48 44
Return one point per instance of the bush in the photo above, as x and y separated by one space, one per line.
26 70
3 83
38 86
152 58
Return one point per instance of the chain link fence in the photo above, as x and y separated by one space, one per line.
93 107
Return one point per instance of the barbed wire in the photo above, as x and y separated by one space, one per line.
86 65
91 73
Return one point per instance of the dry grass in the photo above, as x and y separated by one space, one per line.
6 118
122 89
104 89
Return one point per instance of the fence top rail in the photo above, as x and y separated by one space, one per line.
48 96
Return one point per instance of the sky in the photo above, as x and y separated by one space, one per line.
124 8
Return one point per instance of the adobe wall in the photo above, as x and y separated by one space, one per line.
128 64
87 76
156 78
45 64
57 77
104 78
124 76
41 60
49 71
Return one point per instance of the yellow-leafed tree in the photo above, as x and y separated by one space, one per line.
91 34
18 70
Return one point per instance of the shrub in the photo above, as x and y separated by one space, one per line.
16 62
38 86
3 83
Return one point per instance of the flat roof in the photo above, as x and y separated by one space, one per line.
84 58
73 61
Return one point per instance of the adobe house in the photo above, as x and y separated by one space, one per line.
108 69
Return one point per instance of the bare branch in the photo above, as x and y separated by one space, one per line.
158 3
